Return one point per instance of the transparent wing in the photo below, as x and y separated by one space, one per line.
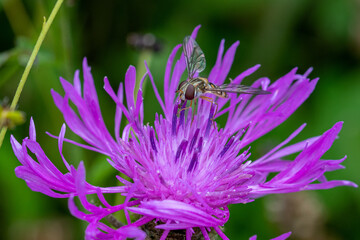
235 88
194 56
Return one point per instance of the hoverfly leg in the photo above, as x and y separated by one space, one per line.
193 112
183 109
212 102
216 111
181 103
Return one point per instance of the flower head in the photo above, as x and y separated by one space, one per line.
184 173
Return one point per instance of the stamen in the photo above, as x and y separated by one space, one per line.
180 150
174 120
151 156
210 120
199 148
182 115
152 140
226 148
193 140
193 162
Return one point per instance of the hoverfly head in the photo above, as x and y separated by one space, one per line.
190 92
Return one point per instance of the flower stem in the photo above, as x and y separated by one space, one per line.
145 55
44 30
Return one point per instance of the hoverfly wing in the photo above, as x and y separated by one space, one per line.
235 88
194 56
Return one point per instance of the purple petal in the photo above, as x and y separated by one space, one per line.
226 64
155 89
169 96
244 74
177 211
77 83
216 69
90 95
283 236
195 31
130 80
118 113
32 131
305 169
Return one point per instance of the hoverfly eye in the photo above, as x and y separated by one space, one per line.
190 92
181 85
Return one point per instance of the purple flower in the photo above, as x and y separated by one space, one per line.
184 174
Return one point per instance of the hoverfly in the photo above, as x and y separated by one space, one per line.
196 87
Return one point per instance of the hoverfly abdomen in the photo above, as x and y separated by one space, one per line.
217 93
212 85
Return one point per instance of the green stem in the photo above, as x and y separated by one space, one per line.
44 30
145 55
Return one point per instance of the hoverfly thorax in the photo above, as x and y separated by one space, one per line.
181 85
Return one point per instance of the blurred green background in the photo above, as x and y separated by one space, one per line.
278 34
